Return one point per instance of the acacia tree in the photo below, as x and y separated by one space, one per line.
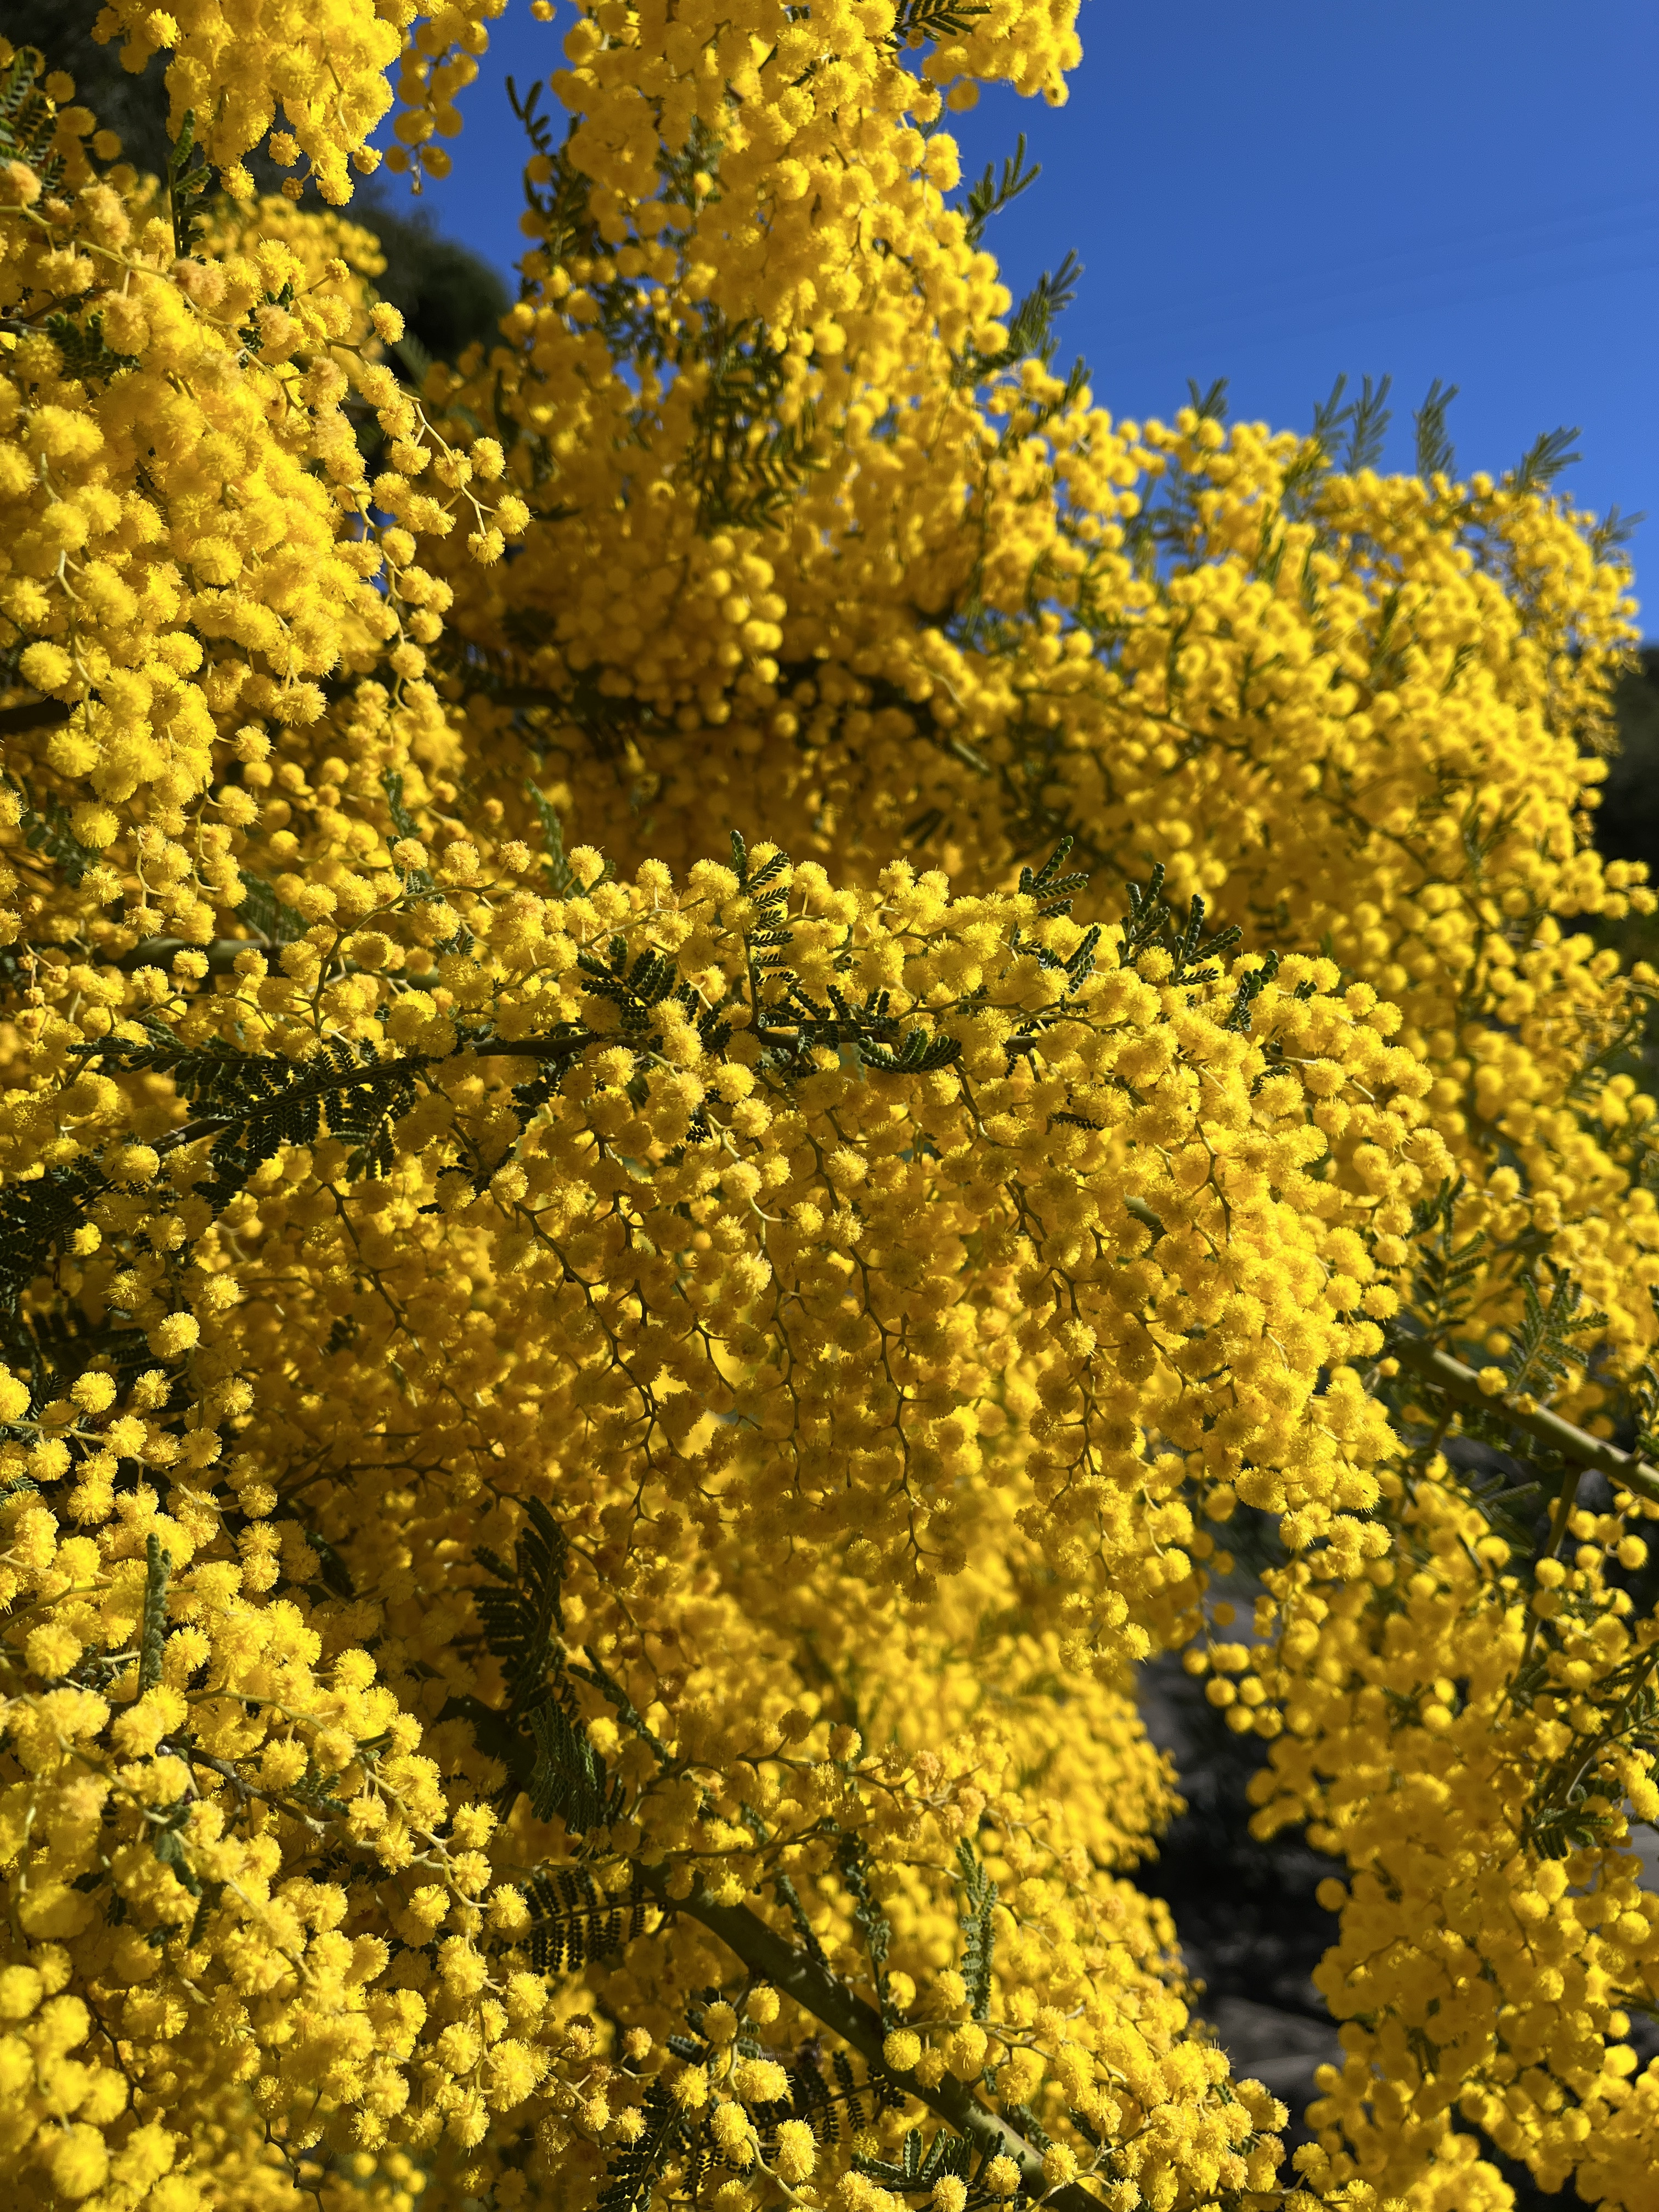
701 1072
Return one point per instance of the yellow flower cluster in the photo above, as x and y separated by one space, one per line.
259 551
1478 1761
994 619
310 82
589 1440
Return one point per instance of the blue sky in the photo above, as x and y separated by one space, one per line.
1281 192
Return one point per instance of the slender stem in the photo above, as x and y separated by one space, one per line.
816 1990
1574 1443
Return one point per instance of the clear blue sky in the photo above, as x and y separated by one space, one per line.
1281 191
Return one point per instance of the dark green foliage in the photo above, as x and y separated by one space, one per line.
993 193
1053 892
814 2100
1149 918
168 1844
573 1920
1031 334
916 23
747 465
597 1678
27 121
418 881
674 2138
1152 922
973 1910
188 179
745 462
847 2081
789 1897
567 1777
1644 1396
1435 454
82 350
1351 435
253 1104
522 1617
1353 432
257 1102
262 1101
562 203
334 1574
1447 1270
916 1054
853 1858
544 1743
561 877
152 1635
1549 453
45 825
669 2137
567 226
1541 1352
796 1026
823 2104
753 880
1615 530
634 990
266 915
1209 406
1251 984
134 107
920 2166
35 1217
1574 1805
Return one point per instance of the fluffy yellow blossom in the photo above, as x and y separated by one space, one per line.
624 1313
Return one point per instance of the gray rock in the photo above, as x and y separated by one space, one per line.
1281 2049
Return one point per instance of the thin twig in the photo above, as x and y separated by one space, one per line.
1461 1382
817 1991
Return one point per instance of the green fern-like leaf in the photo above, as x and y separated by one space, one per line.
1549 453
1447 1270
988 198
1152 922
83 351
921 22
978 1903
521 1618
45 822
568 1779
188 177
921 2163
265 913
27 120
665 2139
572 1920
1435 456
1031 334
153 1629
